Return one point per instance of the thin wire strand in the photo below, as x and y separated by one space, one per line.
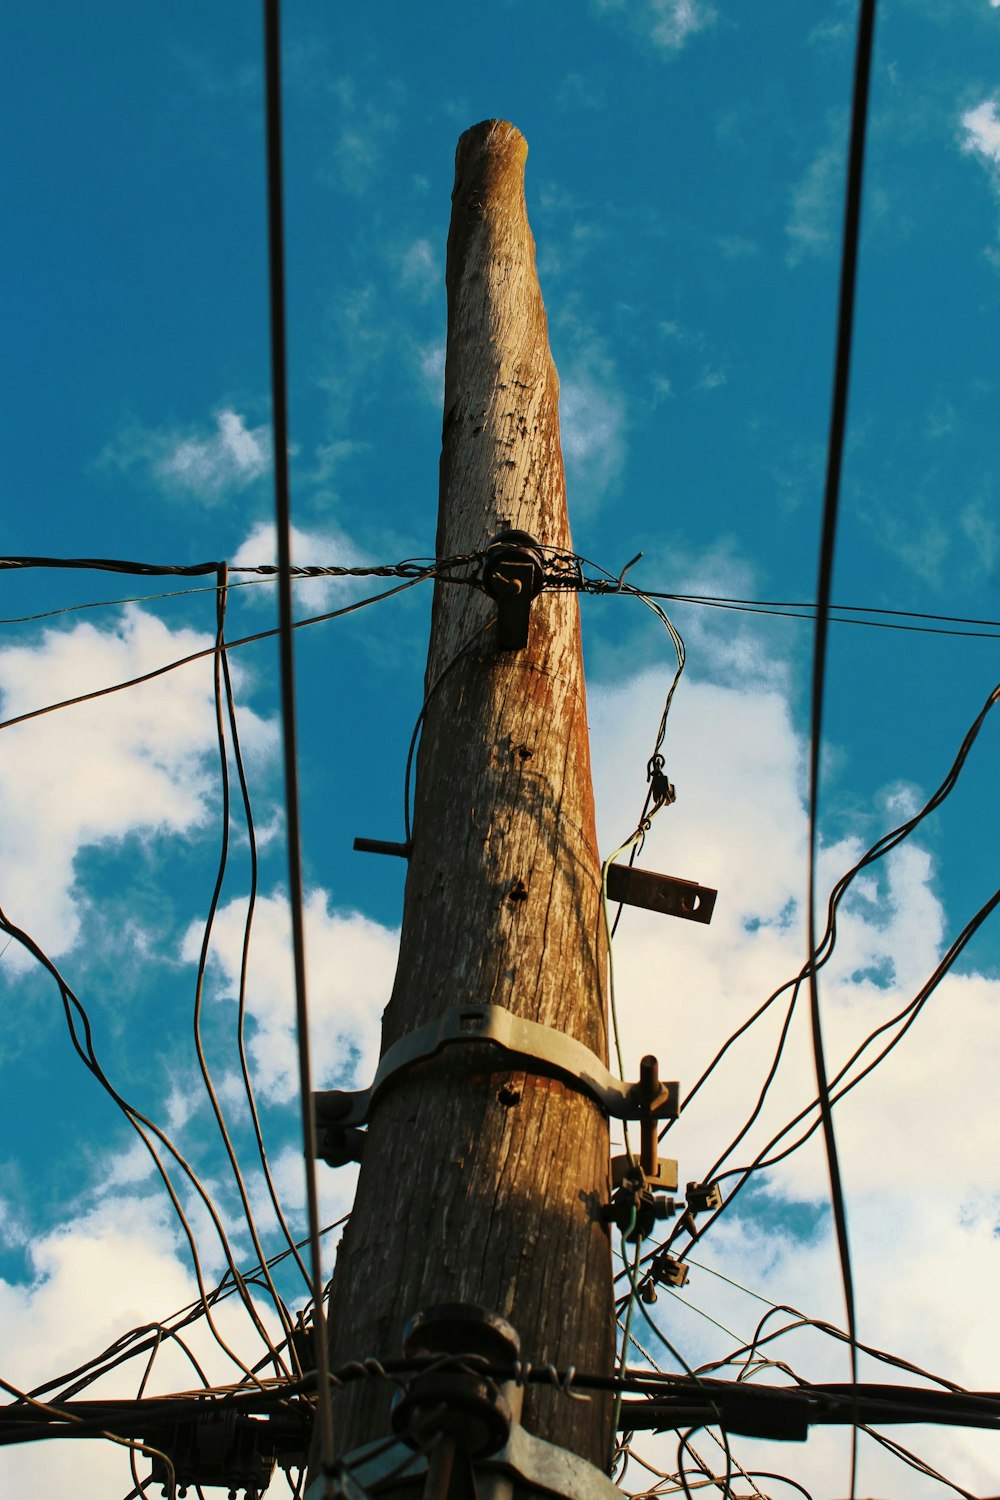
193 656
283 526
220 720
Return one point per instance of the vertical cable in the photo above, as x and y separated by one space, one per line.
282 511
831 500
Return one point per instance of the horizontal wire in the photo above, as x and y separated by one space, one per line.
843 614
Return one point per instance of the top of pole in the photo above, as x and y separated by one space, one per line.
501 460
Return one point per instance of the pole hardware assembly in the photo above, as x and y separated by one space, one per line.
662 893
459 1432
513 575
703 1197
523 1044
454 1412
226 1448
383 846
634 1206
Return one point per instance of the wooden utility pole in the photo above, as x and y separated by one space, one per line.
480 1183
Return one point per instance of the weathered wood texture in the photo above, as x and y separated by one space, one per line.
485 1186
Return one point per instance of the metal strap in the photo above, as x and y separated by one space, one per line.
539 1048
527 1459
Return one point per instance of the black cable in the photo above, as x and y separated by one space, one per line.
118 1353
841 614
831 502
184 661
909 1012
112 565
283 527
220 711
459 656
248 1088
760 1339
824 950
793 611
145 1128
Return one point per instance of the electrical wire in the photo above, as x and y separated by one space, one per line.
823 951
442 676
248 1088
183 661
907 1015
146 1129
606 584
841 614
635 1300
283 527
111 1437
831 502
220 720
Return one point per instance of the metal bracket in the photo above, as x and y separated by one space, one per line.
661 893
513 575
528 1460
542 1049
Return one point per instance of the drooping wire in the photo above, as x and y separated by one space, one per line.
635 1301
831 502
193 656
442 676
75 1013
283 526
248 1088
907 1016
136 1342
840 614
134 1444
882 846
220 720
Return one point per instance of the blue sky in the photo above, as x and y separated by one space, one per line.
684 185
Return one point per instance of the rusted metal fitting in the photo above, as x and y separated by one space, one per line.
636 1204
513 575
667 1269
454 1409
703 1197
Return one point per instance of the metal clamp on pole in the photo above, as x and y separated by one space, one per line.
513 575
522 1044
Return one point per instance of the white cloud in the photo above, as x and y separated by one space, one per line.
979 524
326 549
812 222
135 763
667 24
913 1137
420 270
350 965
210 466
431 360
982 131
982 139
592 424
368 119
